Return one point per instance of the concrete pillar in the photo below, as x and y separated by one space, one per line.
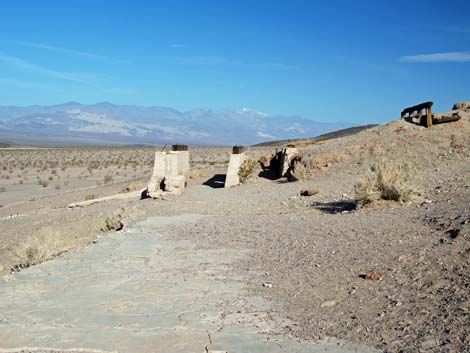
236 160
159 165
183 162
170 169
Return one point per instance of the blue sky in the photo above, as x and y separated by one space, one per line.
357 61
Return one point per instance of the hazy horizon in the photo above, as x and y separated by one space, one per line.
342 61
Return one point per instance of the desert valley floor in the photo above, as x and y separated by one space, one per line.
253 268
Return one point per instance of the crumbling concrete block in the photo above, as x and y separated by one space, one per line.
287 156
175 184
236 159
169 171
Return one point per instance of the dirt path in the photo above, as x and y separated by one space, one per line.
139 291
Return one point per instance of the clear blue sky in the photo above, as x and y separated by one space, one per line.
359 61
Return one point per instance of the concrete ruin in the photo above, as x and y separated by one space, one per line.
288 155
237 157
170 171
428 120
416 111
280 163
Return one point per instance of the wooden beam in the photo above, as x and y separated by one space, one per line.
179 147
428 117
420 106
238 149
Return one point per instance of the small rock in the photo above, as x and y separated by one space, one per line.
372 276
453 233
328 304
267 285
401 129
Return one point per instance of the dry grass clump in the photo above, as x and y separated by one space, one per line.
387 180
114 222
43 183
90 197
299 171
46 245
247 169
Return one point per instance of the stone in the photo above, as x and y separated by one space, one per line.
462 106
373 276
175 184
328 304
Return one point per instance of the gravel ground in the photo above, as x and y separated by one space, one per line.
315 251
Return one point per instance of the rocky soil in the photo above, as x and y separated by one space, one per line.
315 252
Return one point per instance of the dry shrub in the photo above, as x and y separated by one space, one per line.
90 197
114 222
247 169
43 183
137 185
387 180
46 245
299 171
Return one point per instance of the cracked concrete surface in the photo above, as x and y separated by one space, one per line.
137 291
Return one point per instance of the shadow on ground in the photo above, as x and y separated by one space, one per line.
416 121
335 206
217 181
269 174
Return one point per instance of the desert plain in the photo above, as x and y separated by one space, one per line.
252 268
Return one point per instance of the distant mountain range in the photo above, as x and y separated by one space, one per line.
106 123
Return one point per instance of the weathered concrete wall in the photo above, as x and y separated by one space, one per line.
288 153
183 162
234 164
171 168
171 163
